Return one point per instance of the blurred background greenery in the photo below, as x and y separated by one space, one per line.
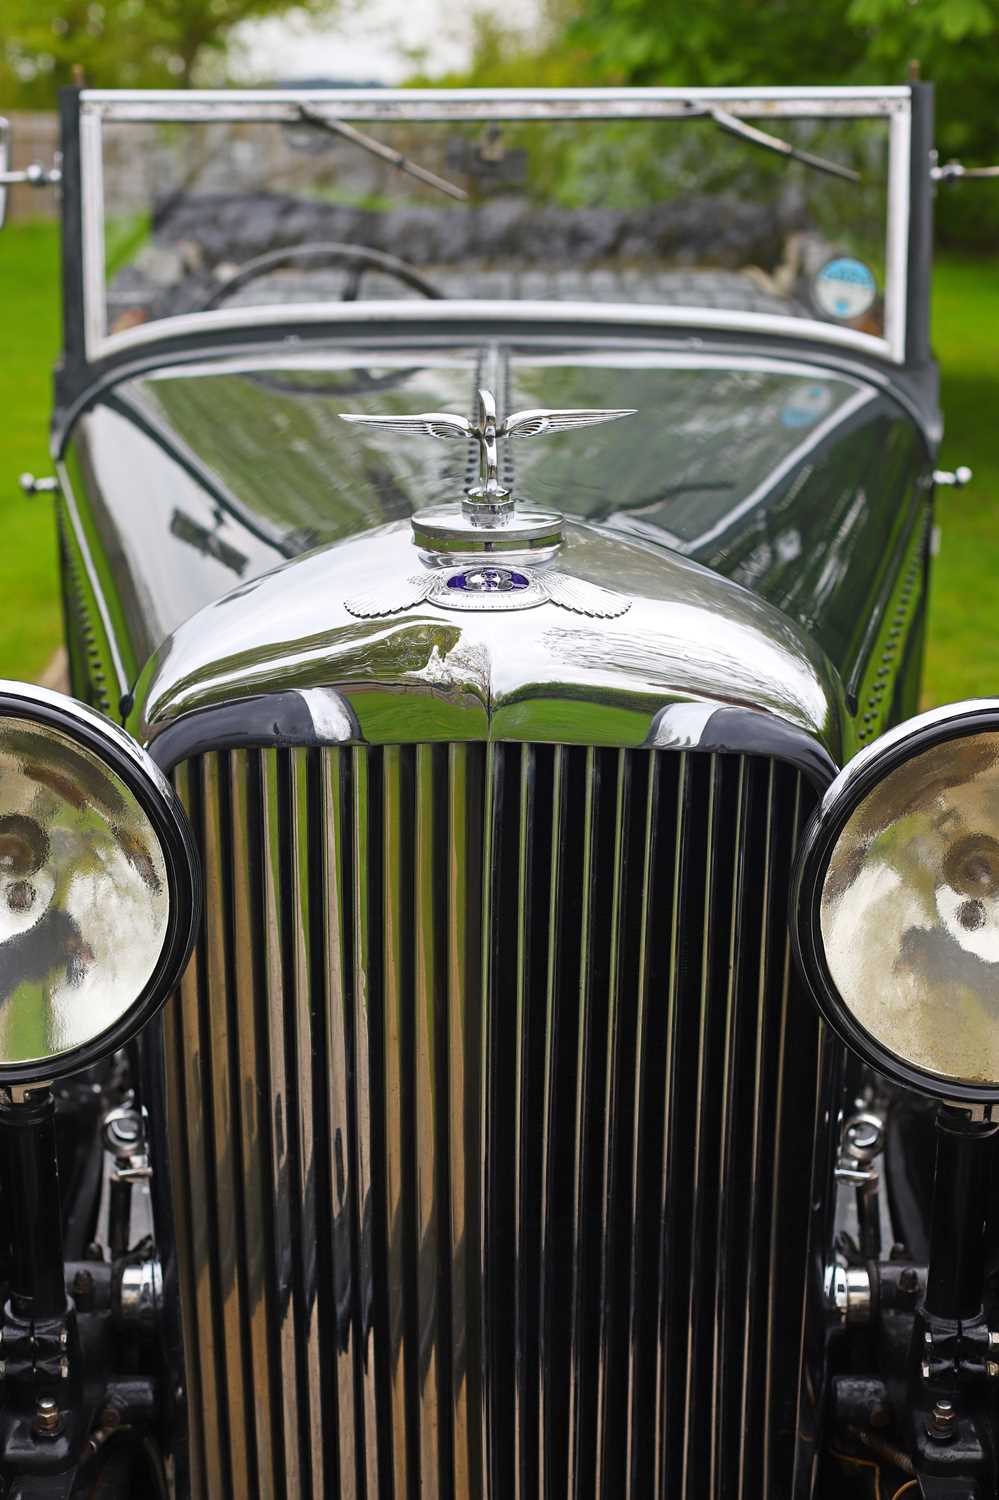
175 43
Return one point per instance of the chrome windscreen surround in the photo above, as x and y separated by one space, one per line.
892 906
100 108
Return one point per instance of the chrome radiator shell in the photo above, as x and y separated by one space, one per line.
490 1104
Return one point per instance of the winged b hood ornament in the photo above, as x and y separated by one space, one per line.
462 544
487 431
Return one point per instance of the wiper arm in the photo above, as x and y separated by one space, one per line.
738 127
386 153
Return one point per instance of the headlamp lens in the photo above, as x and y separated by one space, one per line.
85 900
909 910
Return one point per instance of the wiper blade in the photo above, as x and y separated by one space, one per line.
738 127
386 153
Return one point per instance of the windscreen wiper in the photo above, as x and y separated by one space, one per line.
745 132
379 149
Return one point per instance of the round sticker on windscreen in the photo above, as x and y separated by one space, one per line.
844 288
806 404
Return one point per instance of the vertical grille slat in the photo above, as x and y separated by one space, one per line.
395 1094
346 1289
315 1440
183 1126
216 1042
429 1060
464 867
281 1162
252 1078
368 1007
481 1124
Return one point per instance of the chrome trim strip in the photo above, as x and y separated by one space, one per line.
471 310
92 231
897 236
509 103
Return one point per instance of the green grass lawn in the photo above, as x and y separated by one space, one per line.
963 649
30 626
963 655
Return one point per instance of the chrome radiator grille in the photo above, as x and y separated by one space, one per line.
490 1110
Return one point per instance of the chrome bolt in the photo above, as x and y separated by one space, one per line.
64 1368
993 1337
941 1424
123 1130
31 485
958 477
908 1280
991 1369
48 1418
863 1136
848 1293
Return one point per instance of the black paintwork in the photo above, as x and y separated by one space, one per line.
190 484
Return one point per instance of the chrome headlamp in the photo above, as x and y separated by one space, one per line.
895 911
99 886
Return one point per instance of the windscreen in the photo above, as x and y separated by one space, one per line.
683 211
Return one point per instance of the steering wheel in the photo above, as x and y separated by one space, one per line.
326 252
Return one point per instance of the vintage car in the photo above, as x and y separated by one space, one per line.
488 523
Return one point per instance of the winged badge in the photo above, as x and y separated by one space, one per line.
486 431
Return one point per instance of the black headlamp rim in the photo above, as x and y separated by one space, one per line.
851 786
144 781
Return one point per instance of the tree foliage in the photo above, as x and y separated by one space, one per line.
45 44
728 43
